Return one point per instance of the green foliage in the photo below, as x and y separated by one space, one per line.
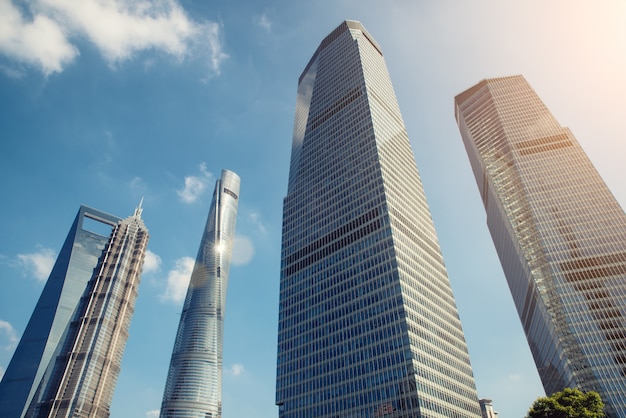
569 403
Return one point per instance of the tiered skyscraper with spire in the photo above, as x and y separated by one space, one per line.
69 357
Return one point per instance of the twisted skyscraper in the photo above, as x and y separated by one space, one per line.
560 235
368 325
69 357
194 381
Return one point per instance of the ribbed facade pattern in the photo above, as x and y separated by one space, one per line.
83 376
68 360
560 235
368 325
194 381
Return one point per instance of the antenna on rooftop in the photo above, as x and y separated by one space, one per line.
139 209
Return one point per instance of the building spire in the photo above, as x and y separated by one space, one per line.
138 209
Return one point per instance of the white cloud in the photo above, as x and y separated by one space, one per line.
210 35
264 22
39 264
153 414
515 377
243 250
236 369
10 335
40 42
11 72
195 185
255 218
118 28
152 262
178 280
137 185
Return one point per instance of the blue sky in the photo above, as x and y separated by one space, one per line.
103 102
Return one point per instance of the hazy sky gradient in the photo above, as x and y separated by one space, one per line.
103 102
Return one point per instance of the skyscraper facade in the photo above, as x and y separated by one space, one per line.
368 325
69 357
194 381
560 235
486 408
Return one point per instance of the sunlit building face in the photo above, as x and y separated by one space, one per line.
368 325
560 235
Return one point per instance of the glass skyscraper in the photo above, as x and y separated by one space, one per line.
368 325
69 357
194 381
560 235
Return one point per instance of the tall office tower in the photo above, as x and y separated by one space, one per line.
68 359
368 325
194 381
560 235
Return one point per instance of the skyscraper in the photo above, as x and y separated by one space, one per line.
194 380
368 325
560 235
486 408
68 359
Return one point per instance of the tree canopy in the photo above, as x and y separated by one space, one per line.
569 403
